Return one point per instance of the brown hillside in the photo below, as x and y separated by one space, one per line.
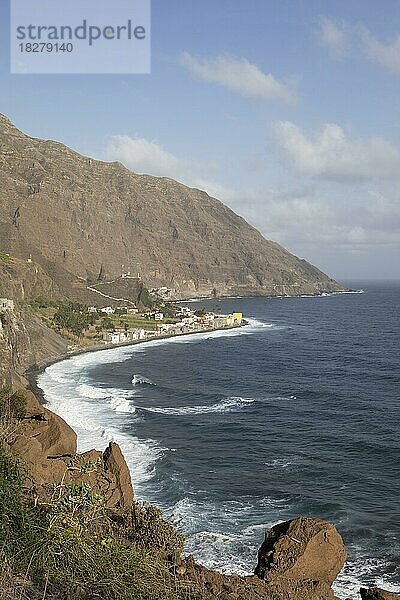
78 216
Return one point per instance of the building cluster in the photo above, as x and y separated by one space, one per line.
189 322
122 337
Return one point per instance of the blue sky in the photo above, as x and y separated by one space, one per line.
286 110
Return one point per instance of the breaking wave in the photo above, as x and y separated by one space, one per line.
231 404
140 380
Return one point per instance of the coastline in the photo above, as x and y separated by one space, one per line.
77 352
33 372
267 297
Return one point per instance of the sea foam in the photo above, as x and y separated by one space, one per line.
231 404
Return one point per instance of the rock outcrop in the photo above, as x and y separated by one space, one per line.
377 594
42 440
115 465
304 555
48 446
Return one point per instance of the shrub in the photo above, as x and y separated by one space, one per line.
68 547
42 302
4 257
12 408
151 530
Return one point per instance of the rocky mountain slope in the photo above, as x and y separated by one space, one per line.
83 220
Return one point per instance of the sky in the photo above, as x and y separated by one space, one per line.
286 110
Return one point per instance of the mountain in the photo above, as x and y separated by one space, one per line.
69 221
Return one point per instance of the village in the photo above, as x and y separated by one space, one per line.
184 321
109 325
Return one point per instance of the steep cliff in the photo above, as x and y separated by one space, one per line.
25 341
83 219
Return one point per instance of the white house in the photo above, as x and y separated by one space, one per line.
112 338
188 320
158 316
108 310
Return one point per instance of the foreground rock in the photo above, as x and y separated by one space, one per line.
377 594
298 559
48 446
303 555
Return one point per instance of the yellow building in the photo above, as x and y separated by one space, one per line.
234 319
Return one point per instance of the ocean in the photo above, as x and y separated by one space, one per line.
231 432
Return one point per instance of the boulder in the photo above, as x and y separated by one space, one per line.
377 594
303 549
115 465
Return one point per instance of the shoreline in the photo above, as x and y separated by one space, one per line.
267 297
38 369
33 372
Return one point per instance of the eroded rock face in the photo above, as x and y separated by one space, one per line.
301 550
106 473
48 446
377 594
114 464
43 440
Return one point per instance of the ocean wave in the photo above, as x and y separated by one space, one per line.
218 535
90 391
279 463
362 571
231 404
122 405
140 380
97 414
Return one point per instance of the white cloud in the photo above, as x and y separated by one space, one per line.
331 155
314 220
338 37
143 156
385 55
240 76
333 36
310 221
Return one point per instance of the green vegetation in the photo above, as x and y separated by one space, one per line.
4 257
74 317
144 298
41 302
169 310
68 545
133 321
